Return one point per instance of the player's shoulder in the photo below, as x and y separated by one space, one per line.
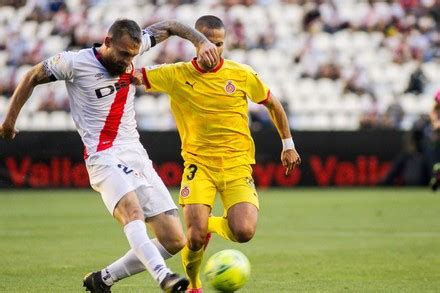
234 65
86 53
69 56
167 66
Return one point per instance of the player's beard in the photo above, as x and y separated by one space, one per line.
115 69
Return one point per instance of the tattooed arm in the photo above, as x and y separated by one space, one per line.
35 76
205 49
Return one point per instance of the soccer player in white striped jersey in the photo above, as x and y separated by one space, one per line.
98 81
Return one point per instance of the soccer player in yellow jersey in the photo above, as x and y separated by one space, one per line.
211 110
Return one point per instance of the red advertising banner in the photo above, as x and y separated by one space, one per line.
54 159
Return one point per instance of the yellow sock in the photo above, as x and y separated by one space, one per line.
220 226
191 261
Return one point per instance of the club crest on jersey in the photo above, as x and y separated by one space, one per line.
184 192
137 174
230 87
57 58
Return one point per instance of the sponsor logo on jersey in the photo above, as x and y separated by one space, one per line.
190 84
185 191
99 76
110 89
230 87
125 169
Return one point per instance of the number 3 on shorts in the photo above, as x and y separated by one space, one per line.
192 172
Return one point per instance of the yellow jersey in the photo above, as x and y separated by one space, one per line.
210 109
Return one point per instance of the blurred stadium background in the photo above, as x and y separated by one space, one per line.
339 67
357 79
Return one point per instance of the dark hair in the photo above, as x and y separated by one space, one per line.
210 22
123 27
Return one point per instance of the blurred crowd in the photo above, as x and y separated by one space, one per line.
374 51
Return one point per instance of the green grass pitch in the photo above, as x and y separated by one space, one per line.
308 240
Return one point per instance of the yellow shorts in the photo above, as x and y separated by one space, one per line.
201 183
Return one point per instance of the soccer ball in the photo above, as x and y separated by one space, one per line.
228 270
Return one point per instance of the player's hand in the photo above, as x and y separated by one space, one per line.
137 78
290 159
8 131
208 54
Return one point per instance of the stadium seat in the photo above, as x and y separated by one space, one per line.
24 123
28 29
7 13
237 55
39 121
3 104
54 45
3 58
57 120
322 42
432 70
341 121
44 30
409 103
185 13
70 125
21 71
162 105
145 105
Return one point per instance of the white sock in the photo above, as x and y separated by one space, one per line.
129 265
145 250
163 251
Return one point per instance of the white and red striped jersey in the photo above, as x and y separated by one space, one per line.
102 106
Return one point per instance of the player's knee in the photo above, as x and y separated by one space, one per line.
196 239
175 244
244 234
128 210
129 215
179 243
135 213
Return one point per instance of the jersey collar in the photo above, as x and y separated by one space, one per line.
199 69
97 54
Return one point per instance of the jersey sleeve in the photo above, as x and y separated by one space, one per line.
148 41
60 66
256 90
159 78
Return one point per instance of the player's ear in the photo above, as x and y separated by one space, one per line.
108 41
